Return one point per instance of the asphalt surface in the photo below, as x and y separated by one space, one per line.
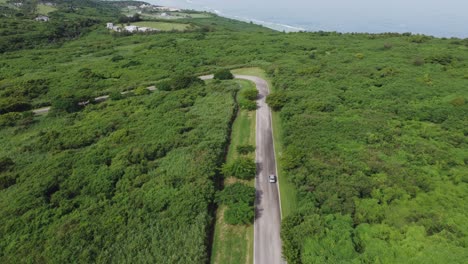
267 241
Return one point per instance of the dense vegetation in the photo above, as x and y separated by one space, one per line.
375 135
73 18
376 144
223 74
129 179
239 198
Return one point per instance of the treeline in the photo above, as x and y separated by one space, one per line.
19 30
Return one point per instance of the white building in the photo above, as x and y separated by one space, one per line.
131 28
146 29
113 27
167 8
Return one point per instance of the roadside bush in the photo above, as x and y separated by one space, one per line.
67 103
14 105
116 96
141 91
183 82
245 149
223 74
236 193
250 94
242 168
239 214
248 105
277 100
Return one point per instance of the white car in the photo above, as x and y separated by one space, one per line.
272 178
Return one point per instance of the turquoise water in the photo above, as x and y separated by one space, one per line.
443 18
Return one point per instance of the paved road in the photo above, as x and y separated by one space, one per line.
267 241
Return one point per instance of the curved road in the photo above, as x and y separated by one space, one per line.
267 241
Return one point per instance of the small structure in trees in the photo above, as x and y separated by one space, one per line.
42 19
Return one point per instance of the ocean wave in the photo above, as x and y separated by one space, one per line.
273 25
269 24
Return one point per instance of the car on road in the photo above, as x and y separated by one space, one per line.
272 178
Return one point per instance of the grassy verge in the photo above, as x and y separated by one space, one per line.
45 9
234 244
287 189
162 25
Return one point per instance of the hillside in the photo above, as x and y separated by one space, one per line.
372 130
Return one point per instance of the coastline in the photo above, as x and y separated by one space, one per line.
351 24
190 5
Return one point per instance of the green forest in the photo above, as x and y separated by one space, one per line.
374 136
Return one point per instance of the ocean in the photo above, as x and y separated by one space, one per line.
441 18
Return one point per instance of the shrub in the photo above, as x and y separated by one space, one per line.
141 91
387 46
6 163
131 64
250 94
239 214
117 58
440 59
242 168
248 105
67 103
277 100
116 96
14 105
236 193
245 149
419 38
223 74
418 61
9 119
164 86
7 180
459 101
182 82
359 56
